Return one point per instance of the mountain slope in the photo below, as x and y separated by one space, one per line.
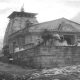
76 18
1 44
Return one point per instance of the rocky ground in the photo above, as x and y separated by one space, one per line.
8 71
12 72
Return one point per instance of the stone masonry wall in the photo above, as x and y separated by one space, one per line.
59 56
46 57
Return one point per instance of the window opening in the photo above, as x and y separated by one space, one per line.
70 39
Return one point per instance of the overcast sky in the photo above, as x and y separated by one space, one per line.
47 10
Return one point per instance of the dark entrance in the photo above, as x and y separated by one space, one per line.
70 39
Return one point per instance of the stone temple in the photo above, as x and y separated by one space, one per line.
42 45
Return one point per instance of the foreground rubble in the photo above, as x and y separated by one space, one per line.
62 73
65 73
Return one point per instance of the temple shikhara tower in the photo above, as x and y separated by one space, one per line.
42 45
18 21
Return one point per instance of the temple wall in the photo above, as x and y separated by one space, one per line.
45 57
59 56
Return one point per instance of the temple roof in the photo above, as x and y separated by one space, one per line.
57 25
21 14
19 23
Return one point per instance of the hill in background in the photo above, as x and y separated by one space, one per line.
76 18
1 44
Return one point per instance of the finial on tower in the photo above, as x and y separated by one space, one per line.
22 8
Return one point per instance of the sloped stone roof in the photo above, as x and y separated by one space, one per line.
62 24
55 24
